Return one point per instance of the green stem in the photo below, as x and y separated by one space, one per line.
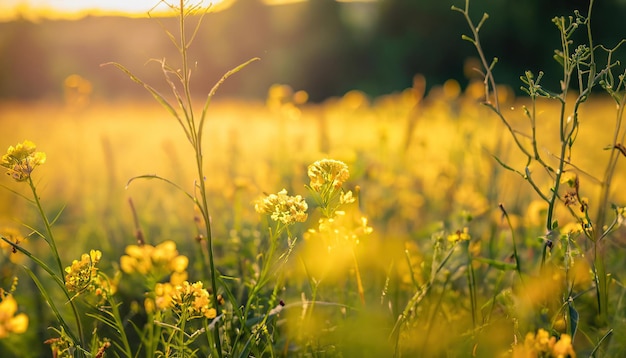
207 223
471 281
52 243
120 326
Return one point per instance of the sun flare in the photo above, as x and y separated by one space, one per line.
62 9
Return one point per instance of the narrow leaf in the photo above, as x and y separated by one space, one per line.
50 303
573 318
154 176
216 87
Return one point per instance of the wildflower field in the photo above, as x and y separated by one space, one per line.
448 223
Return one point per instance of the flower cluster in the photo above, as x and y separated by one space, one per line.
193 299
283 208
543 344
326 179
155 261
22 159
81 275
190 300
327 173
9 321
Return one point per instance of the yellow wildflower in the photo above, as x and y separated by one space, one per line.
346 198
194 300
460 235
563 348
327 172
283 208
22 159
340 230
9 322
81 274
543 344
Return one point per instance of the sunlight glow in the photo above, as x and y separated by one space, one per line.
63 9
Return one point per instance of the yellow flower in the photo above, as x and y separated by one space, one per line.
81 274
460 235
9 322
563 347
327 172
163 292
346 198
194 300
340 230
22 159
283 208
544 345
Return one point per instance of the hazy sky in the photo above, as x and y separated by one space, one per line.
33 9
69 9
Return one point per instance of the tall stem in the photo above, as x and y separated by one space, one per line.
52 243
197 146
207 223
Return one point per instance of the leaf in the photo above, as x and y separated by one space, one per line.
39 263
214 90
154 176
573 318
50 303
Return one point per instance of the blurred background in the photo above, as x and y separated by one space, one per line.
325 47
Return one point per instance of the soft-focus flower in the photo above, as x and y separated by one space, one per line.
283 208
327 172
22 159
340 230
9 321
155 261
563 347
543 344
81 274
163 293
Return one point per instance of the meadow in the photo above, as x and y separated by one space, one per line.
404 225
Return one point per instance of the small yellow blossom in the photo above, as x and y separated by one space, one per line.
327 172
563 348
22 159
340 230
163 292
81 274
460 235
283 208
346 198
9 322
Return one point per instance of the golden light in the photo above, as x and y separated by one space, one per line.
63 9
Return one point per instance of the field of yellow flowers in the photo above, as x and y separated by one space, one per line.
457 223
416 256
